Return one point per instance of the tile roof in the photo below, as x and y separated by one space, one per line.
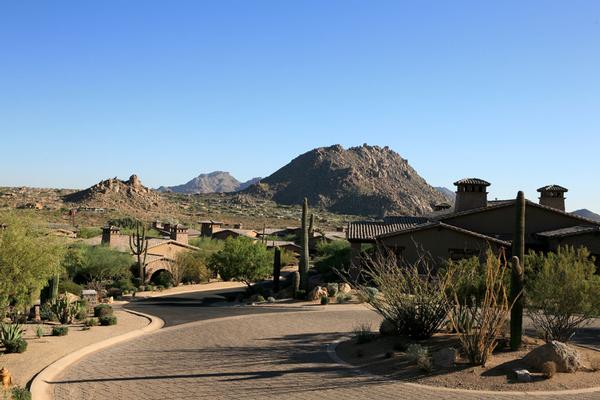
368 231
570 231
553 188
437 224
472 181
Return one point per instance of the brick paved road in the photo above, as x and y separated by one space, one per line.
262 356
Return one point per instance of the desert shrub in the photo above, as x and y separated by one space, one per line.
565 293
91 322
410 296
102 310
164 278
64 310
363 333
101 264
68 286
197 261
549 369
331 257
126 285
39 331
415 351
82 310
332 289
288 258
425 364
342 298
107 320
114 292
60 330
243 260
150 288
20 393
324 300
89 232
485 311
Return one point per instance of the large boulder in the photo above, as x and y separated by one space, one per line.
344 288
567 358
317 293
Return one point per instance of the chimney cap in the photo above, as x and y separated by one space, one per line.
472 181
553 188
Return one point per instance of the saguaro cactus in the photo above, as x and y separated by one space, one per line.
295 284
139 247
304 256
517 274
276 269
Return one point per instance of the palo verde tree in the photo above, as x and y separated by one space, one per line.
517 274
139 247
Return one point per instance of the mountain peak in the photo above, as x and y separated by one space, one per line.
212 182
364 179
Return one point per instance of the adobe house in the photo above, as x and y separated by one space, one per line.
179 233
208 227
476 224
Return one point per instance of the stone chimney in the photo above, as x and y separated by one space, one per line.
109 233
553 196
179 233
471 193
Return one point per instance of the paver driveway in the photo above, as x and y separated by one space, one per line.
261 356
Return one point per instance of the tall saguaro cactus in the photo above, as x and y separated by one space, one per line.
517 274
139 247
304 256
276 269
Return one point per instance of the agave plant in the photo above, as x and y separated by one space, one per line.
11 336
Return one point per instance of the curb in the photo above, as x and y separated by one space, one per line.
40 388
331 351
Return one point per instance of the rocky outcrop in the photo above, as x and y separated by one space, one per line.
365 180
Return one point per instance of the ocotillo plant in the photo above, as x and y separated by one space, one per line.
304 256
517 275
276 269
139 247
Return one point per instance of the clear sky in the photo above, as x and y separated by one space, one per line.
508 91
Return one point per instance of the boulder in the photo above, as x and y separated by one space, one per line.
567 358
317 293
344 288
444 358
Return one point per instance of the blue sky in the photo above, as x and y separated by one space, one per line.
507 91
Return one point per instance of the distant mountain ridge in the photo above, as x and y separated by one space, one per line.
364 180
447 193
584 212
213 182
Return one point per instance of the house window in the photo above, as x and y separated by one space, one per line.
462 254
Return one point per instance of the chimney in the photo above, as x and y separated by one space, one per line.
179 233
471 193
108 233
553 196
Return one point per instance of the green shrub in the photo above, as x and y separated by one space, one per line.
20 393
324 300
416 351
343 298
60 330
102 310
82 311
108 320
332 289
68 286
564 293
16 346
91 322
331 257
242 259
39 331
88 232
363 333
46 313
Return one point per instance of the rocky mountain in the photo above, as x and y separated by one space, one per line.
584 212
118 194
366 180
447 193
214 182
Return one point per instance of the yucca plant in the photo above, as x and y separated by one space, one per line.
11 336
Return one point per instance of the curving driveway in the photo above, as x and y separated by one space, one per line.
263 355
